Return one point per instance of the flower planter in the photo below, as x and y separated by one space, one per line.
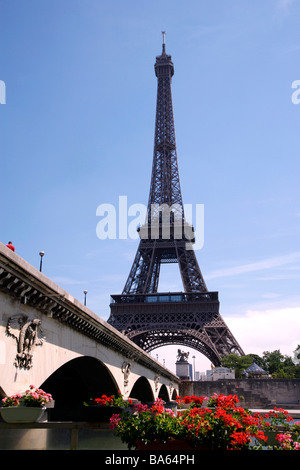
172 444
225 426
21 414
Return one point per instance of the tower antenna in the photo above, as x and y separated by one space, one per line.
164 44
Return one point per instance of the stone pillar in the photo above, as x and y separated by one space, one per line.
182 370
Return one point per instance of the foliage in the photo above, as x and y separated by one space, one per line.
145 423
277 364
258 360
238 363
192 401
113 400
217 422
288 372
289 436
274 418
33 397
286 442
275 361
13 400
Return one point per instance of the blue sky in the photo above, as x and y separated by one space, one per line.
77 131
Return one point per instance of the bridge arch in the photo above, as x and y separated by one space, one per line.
142 390
77 381
163 393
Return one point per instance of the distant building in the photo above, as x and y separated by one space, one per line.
220 373
254 371
198 375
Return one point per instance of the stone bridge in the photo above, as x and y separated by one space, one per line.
51 340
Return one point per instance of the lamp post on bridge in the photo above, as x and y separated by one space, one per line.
41 262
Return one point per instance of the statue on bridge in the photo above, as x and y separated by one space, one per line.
28 333
126 371
182 356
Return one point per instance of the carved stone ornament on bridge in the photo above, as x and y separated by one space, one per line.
126 371
27 333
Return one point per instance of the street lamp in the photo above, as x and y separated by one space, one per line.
85 292
41 262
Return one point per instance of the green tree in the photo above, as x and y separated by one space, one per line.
288 372
238 363
275 361
277 364
258 360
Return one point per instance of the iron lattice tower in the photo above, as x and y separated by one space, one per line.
152 319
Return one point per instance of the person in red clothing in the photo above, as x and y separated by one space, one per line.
10 246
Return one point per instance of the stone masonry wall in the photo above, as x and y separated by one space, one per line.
256 393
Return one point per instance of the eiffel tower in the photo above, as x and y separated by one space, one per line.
151 319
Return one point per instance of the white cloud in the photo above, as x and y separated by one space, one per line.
267 330
268 263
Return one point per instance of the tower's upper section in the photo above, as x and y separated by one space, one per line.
165 206
165 185
164 64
